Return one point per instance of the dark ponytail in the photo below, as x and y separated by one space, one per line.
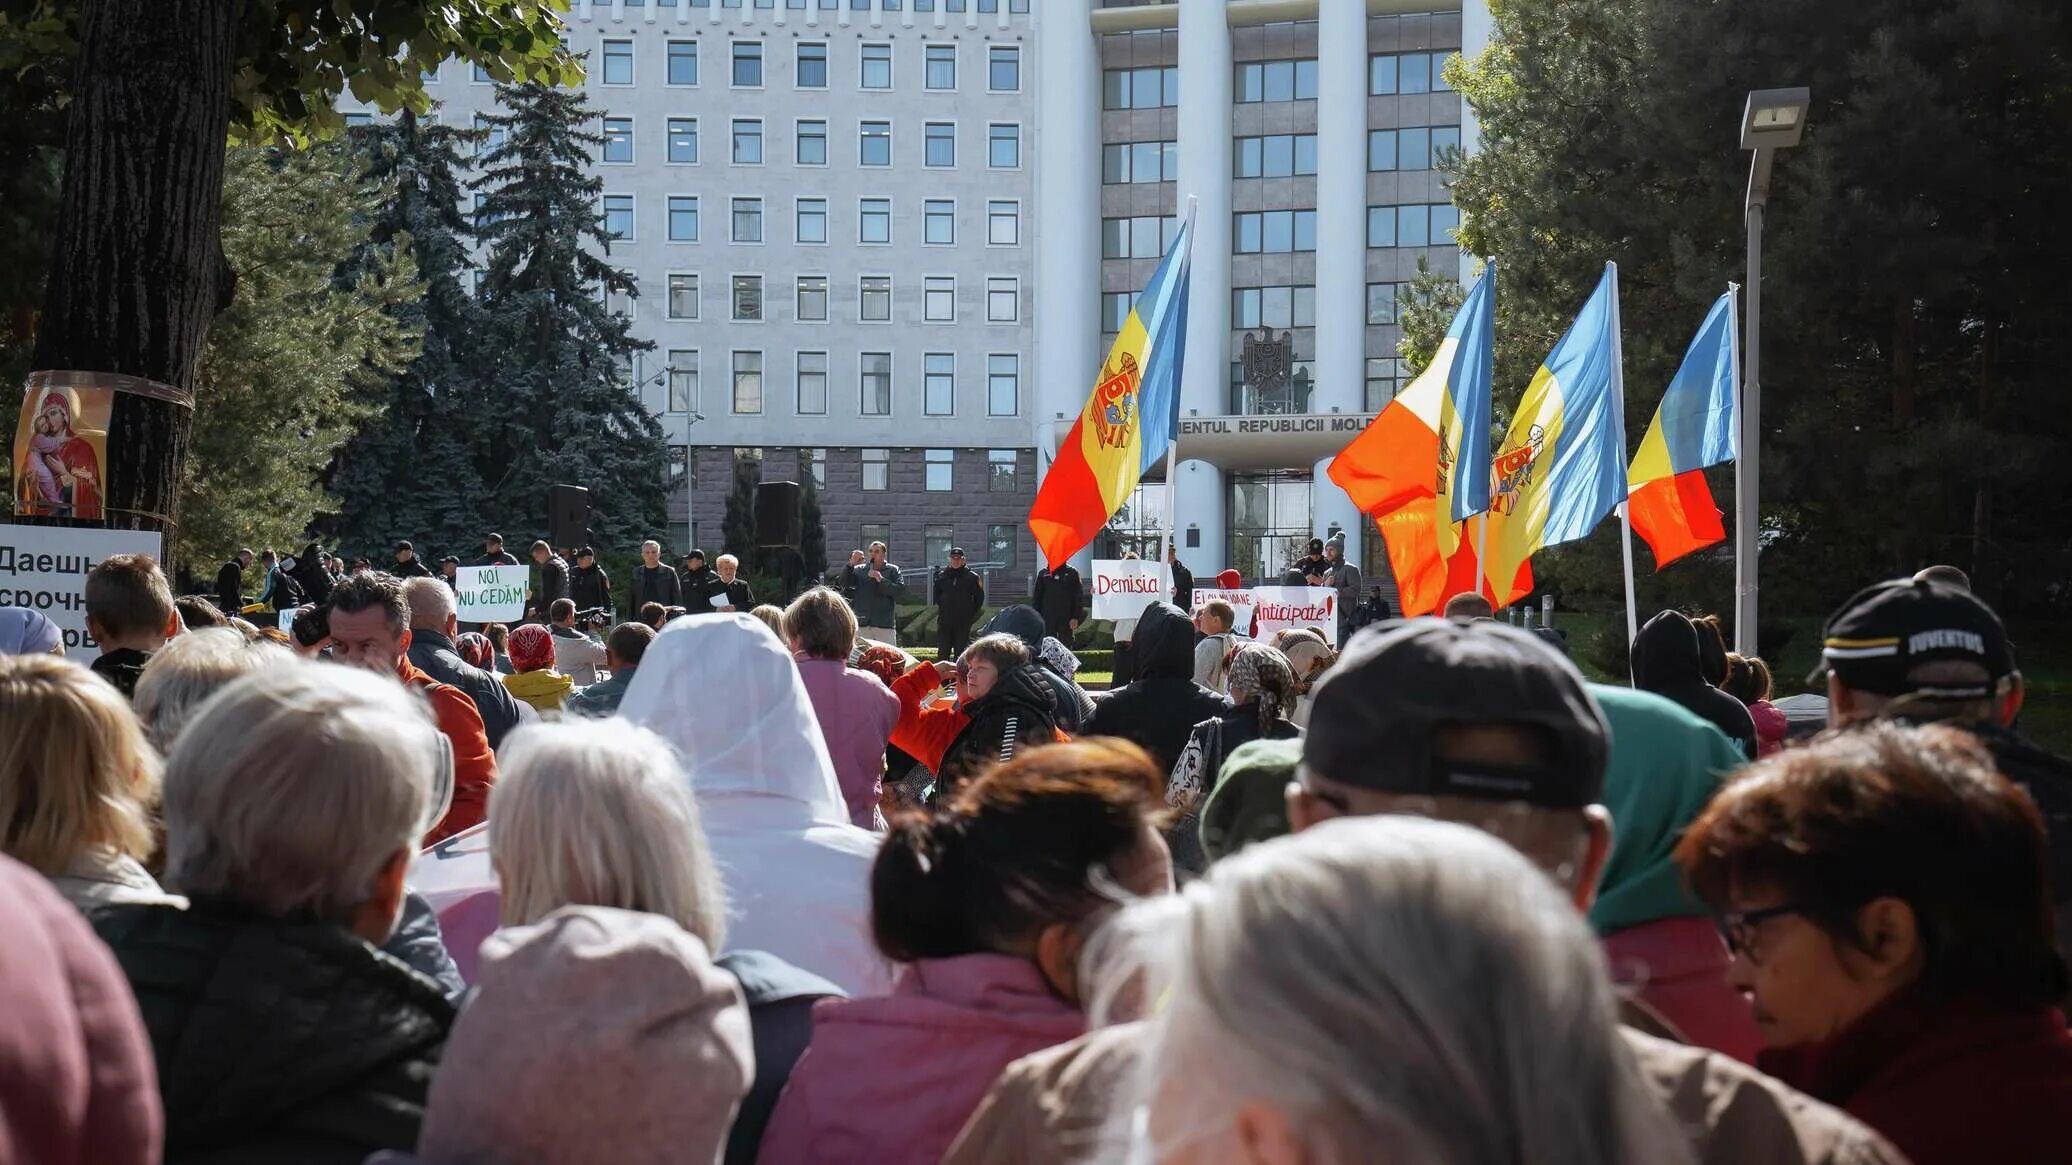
1031 843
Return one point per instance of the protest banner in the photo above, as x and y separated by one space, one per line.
489 594
1280 608
1122 586
1240 600
44 569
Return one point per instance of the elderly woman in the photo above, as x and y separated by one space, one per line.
1310 657
26 632
856 712
77 782
1263 687
190 669
293 804
533 678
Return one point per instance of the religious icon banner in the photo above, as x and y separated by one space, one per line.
60 452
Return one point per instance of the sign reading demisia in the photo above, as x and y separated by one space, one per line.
44 569
1122 586
489 594
1280 608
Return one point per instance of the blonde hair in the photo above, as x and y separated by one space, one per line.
190 669
598 813
75 769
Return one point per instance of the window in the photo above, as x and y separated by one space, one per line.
618 215
941 70
873 531
939 299
811 221
874 143
1273 307
748 141
812 143
683 141
939 221
748 220
618 298
1004 146
1381 303
939 384
1002 466
1276 231
683 219
1003 299
748 382
683 62
1150 88
874 299
481 76
812 297
1115 310
817 466
618 62
748 64
1276 81
1138 238
936 542
877 475
683 380
618 139
812 64
876 67
1003 223
356 120
1407 73
811 380
1003 384
942 464
1275 156
1000 541
1140 162
1004 68
1416 148
1412 226
493 137
683 297
874 220
748 298
1382 372
875 378
1445 221
939 144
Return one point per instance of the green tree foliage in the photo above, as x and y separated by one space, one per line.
812 530
1913 293
566 410
296 364
737 523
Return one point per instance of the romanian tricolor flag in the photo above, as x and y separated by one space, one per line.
1667 498
1128 423
1562 467
1423 465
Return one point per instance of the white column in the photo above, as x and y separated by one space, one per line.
1067 238
1341 244
1205 77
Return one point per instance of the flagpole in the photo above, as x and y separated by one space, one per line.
1619 418
1743 487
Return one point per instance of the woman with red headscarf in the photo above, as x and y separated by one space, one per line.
533 677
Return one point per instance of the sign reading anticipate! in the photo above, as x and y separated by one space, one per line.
1123 586
1280 608
490 594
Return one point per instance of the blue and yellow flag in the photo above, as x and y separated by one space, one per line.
1562 467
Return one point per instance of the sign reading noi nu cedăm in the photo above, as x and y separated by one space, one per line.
1124 586
490 594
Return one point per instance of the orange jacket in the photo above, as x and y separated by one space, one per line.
474 766
924 733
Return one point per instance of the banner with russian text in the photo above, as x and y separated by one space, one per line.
44 569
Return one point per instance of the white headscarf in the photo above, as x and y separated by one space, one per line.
728 696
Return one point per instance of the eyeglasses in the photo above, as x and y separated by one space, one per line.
1738 928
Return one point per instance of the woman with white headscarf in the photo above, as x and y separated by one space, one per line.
726 694
1263 688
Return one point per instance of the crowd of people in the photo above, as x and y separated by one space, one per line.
767 888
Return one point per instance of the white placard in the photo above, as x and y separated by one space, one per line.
44 569
1240 600
286 620
1122 586
1279 608
490 594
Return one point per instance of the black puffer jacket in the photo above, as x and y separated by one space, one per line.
1017 713
277 1041
1666 662
311 576
1162 705
1070 702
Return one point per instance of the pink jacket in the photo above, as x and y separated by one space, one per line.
1771 726
892 1080
1678 967
856 714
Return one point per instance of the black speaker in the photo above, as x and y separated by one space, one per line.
777 514
568 516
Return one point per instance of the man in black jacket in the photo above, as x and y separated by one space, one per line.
553 584
494 554
701 587
1162 705
433 626
1667 662
1060 598
588 585
653 582
407 565
1183 579
959 596
230 583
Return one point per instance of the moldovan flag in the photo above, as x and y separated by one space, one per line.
1667 498
1563 465
1423 465
1128 423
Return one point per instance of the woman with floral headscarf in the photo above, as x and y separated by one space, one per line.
1264 690
1310 656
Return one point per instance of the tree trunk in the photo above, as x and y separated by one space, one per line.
137 269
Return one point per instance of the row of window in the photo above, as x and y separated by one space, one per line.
1428 225
1390 73
1293 80
1274 156
1271 307
810 217
747 394
1274 232
1124 162
1003 472
746 301
1414 148
746 139
1147 88
810 61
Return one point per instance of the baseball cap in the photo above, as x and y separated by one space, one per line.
956 552
1883 632
694 552
586 552
1377 711
405 545
452 558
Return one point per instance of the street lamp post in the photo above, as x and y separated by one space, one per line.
1773 119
